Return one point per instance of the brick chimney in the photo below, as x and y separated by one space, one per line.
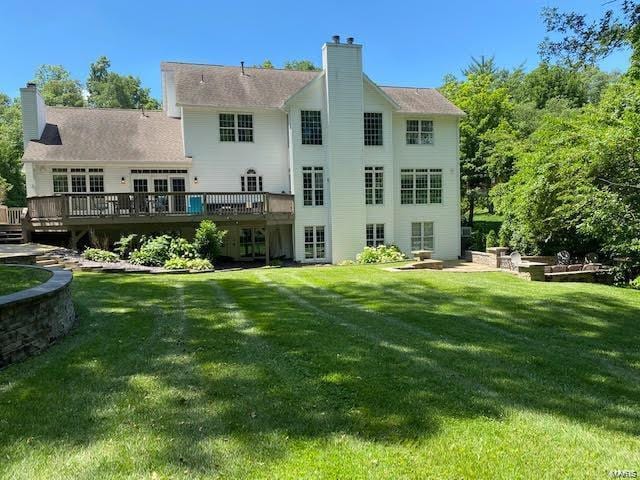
34 113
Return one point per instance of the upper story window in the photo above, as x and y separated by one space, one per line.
420 186
372 128
374 185
313 186
311 125
251 181
236 127
419 132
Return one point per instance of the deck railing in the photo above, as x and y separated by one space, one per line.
78 205
12 215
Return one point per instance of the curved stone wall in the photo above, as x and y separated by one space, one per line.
32 319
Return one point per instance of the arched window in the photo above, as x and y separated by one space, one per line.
251 181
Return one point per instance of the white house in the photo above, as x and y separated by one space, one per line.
306 165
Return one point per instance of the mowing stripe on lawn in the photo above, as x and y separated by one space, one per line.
381 341
496 327
582 396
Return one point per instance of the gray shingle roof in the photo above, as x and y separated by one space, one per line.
212 85
112 135
421 100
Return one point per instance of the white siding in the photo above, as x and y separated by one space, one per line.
442 154
344 99
219 165
312 98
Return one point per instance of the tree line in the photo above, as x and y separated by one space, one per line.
556 151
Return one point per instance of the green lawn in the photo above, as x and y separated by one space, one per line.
336 372
14 279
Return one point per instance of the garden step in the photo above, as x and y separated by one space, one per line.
45 263
430 264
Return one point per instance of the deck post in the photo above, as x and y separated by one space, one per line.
266 245
76 235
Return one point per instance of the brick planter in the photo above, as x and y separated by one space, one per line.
32 319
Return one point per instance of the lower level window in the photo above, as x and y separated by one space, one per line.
314 242
422 236
375 234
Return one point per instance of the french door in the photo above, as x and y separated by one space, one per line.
178 184
252 243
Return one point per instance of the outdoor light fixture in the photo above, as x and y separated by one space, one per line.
195 179
123 181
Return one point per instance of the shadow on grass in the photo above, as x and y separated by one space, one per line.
211 364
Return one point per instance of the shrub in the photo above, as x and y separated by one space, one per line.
128 243
154 252
503 237
635 283
492 239
208 240
98 255
380 254
177 263
182 248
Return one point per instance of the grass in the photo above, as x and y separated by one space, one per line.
336 372
13 279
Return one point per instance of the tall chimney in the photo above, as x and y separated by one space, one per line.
34 113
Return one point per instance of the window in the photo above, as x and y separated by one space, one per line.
60 183
420 186
251 181
422 236
156 170
375 234
78 183
245 128
372 128
314 242
229 126
96 183
313 186
374 185
419 132
311 127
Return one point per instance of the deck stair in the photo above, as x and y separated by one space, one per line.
11 234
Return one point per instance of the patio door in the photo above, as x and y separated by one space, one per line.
252 243
161 202
141 202
178 184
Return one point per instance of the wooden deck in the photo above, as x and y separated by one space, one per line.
71 211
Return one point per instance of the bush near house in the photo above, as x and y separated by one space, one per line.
177 263
99 255
380 254
208 240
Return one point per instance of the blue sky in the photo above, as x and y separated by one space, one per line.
409 43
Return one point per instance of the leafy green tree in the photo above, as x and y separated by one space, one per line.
11 151
267 64
553 81
304 65
57 87
487 106
108 89
579 41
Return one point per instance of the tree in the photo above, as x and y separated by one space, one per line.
582 42
111 90
267 64
11 151
553 81
304 65
57 87
488 107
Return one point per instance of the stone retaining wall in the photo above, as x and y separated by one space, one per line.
32 319
18 259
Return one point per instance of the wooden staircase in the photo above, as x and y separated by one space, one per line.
11 234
